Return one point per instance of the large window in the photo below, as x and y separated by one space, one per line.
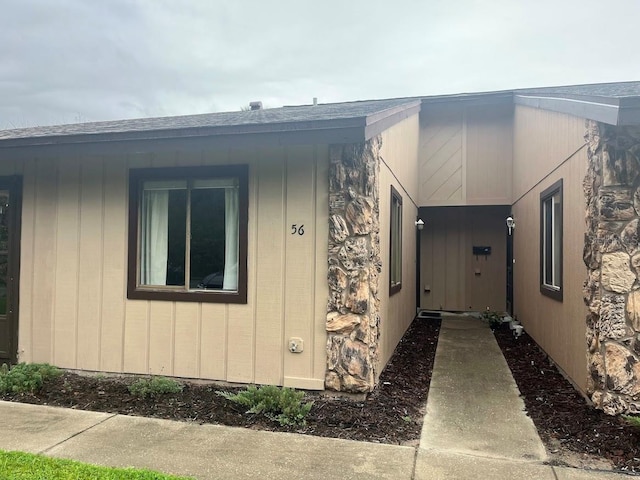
188 234
551 241
395 243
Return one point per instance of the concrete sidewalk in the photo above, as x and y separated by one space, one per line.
475 428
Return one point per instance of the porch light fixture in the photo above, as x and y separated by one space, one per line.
419 224
511 224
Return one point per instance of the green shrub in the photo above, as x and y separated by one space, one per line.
283 405
493 318
26 377
634 421
150 387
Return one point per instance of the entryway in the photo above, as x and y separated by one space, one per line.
462 258
10 215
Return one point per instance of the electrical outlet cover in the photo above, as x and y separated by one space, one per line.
296 345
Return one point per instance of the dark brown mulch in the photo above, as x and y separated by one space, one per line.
562 416
391 414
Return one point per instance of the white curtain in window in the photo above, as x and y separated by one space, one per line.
231 214
155 239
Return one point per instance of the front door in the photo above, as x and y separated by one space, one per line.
10 210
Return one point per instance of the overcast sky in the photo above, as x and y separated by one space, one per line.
68 61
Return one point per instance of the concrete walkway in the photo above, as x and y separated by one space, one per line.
475 428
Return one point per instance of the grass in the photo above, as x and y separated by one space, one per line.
26 466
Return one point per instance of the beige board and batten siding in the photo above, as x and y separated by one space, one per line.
466 181
398 168
73 307
465 154
548 147
452 277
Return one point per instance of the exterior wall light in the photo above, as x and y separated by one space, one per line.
419 224
511 224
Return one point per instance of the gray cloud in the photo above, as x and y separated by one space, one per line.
75 60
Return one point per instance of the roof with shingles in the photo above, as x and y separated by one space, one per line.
610 90
267 117
290 119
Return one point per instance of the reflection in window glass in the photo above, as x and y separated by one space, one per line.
189 231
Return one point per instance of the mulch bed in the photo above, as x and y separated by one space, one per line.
391 414
562 416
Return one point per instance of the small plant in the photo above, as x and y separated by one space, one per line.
26 377
631 420
493 318
151 387
283 405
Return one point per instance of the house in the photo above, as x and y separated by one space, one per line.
280 246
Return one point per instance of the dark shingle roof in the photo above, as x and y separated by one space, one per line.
608 90
266 120
333 122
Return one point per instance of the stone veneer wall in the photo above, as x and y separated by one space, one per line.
353 310
612 256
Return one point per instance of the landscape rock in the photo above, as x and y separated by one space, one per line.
342 323
616 203
354 266
616 274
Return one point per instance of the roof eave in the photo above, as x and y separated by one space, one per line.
381 121
343 134
615 111
629 113
333 131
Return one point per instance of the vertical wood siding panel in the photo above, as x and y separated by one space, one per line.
66 273
558 327
240 318
186 339
161 325
27 240
489 155
137 312
114 256
44 260
299 250
400 147
213 341
486 226
136 344
269 261
321 248
454 263
161 338
91 265
542 139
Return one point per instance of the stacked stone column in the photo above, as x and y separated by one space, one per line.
354 266
612 256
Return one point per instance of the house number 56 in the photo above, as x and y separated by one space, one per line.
297 229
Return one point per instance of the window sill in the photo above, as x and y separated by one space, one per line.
204 296
554 293
393 289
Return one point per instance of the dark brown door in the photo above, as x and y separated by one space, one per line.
10 216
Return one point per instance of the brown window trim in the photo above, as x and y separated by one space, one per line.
545 290
394 288
136 176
